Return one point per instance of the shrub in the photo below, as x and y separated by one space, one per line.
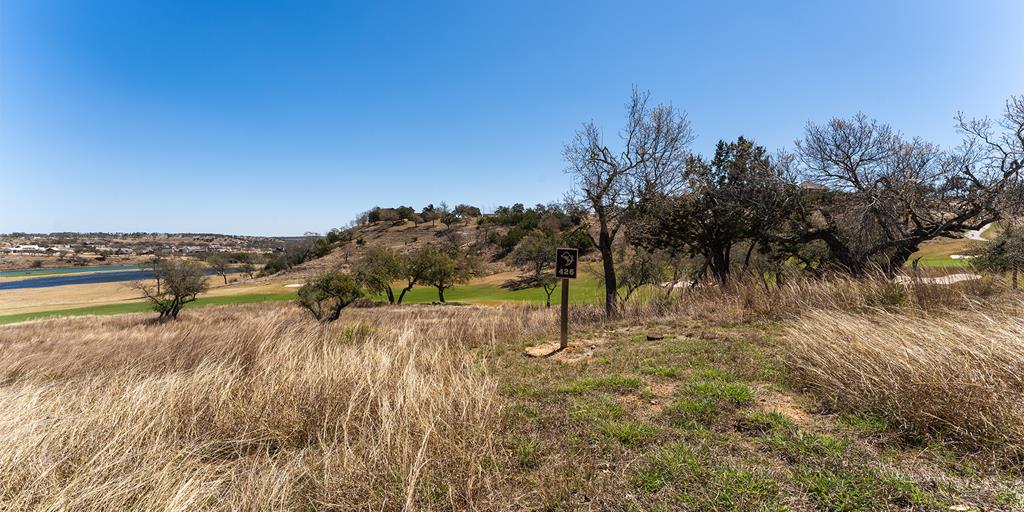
326 295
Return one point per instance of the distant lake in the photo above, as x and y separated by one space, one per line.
66 270
110 275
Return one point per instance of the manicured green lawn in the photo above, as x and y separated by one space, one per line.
138 307
585 290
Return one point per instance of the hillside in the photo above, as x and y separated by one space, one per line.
475 235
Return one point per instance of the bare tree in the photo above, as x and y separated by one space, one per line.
654 148
888 194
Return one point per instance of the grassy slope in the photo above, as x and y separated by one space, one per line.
937 254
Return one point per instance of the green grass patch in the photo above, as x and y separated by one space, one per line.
650 367
528 450
585 290
862 488
766 422
629 433
697 481
712 394
607 383
139 307
596 409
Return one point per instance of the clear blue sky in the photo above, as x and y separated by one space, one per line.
291 116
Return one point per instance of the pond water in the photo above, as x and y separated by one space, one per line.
108 276
66 270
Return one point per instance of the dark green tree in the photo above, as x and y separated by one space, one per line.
378 268
733 199
445 267
324 296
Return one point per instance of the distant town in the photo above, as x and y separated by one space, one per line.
37 250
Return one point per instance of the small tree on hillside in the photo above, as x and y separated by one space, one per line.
445 268
378 268
449 219
414 266
1004 254
536 254
429 214
405 212
465 211
181 282
220 264
326 295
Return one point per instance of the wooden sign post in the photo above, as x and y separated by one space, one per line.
565 268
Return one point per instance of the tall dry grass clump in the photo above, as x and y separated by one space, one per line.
957 375
750 299
253 408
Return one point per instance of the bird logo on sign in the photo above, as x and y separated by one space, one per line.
568 258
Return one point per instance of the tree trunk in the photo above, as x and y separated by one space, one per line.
750 251
225 276
899 258
404 290
440 294
604 244
391 295
720 264
841 253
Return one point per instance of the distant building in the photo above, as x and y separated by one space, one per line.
810 185
23 248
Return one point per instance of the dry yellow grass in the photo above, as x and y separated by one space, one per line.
957 375
260 408
252 408
27 300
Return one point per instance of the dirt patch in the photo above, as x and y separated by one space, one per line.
574 353
663 392
771 400
578 350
